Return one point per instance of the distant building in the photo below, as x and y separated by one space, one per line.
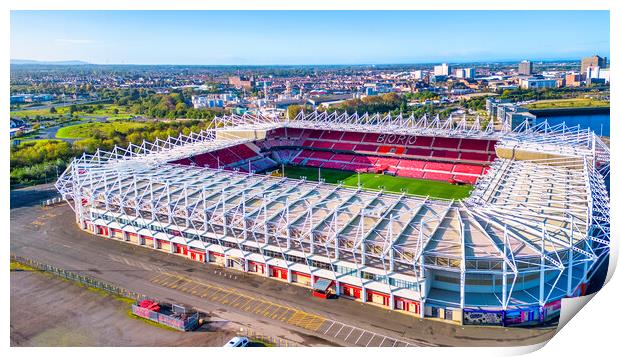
205 102
442 70
417 74
504 111
376 88
574 79
526 68
18 99
31 98
597 75
500 86
538 83
593 61
467 73
437 79
241 82
328 100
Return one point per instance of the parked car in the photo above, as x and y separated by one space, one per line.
238 341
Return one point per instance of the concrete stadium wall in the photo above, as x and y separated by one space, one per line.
241 134
520 154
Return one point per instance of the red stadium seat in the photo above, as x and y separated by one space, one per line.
448 143
467 169
331 135
343 146
322 144
419 152
323 155
386 161
437 176
352 136
366 147
474 156
342 157
363 160
465 178
410 173
438 166
422 141
314 134
474 144
371 137
412 164
446 154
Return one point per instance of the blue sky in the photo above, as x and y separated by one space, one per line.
306 37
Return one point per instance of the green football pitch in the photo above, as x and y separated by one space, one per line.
396 184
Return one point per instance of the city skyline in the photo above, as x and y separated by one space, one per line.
306 37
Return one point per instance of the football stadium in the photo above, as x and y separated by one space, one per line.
446 219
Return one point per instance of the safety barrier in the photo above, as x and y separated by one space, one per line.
52 201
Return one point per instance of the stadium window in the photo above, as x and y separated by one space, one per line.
250 249
367 275
404 284
345 270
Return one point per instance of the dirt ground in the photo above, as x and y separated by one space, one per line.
48 311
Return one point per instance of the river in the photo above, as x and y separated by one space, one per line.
597 122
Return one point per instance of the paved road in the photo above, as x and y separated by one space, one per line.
50 235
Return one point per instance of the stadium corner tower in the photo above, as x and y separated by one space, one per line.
534 230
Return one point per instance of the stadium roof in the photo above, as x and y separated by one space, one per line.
522 215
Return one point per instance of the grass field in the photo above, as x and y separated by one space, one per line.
568 103
107 110
88 129
388 183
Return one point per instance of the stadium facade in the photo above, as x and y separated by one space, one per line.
534 230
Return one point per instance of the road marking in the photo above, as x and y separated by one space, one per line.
283 312
330 326
346 338
358 339
339 331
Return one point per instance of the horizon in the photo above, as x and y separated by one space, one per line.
78 62
293 38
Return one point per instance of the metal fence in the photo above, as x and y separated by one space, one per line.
113 289
82 279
